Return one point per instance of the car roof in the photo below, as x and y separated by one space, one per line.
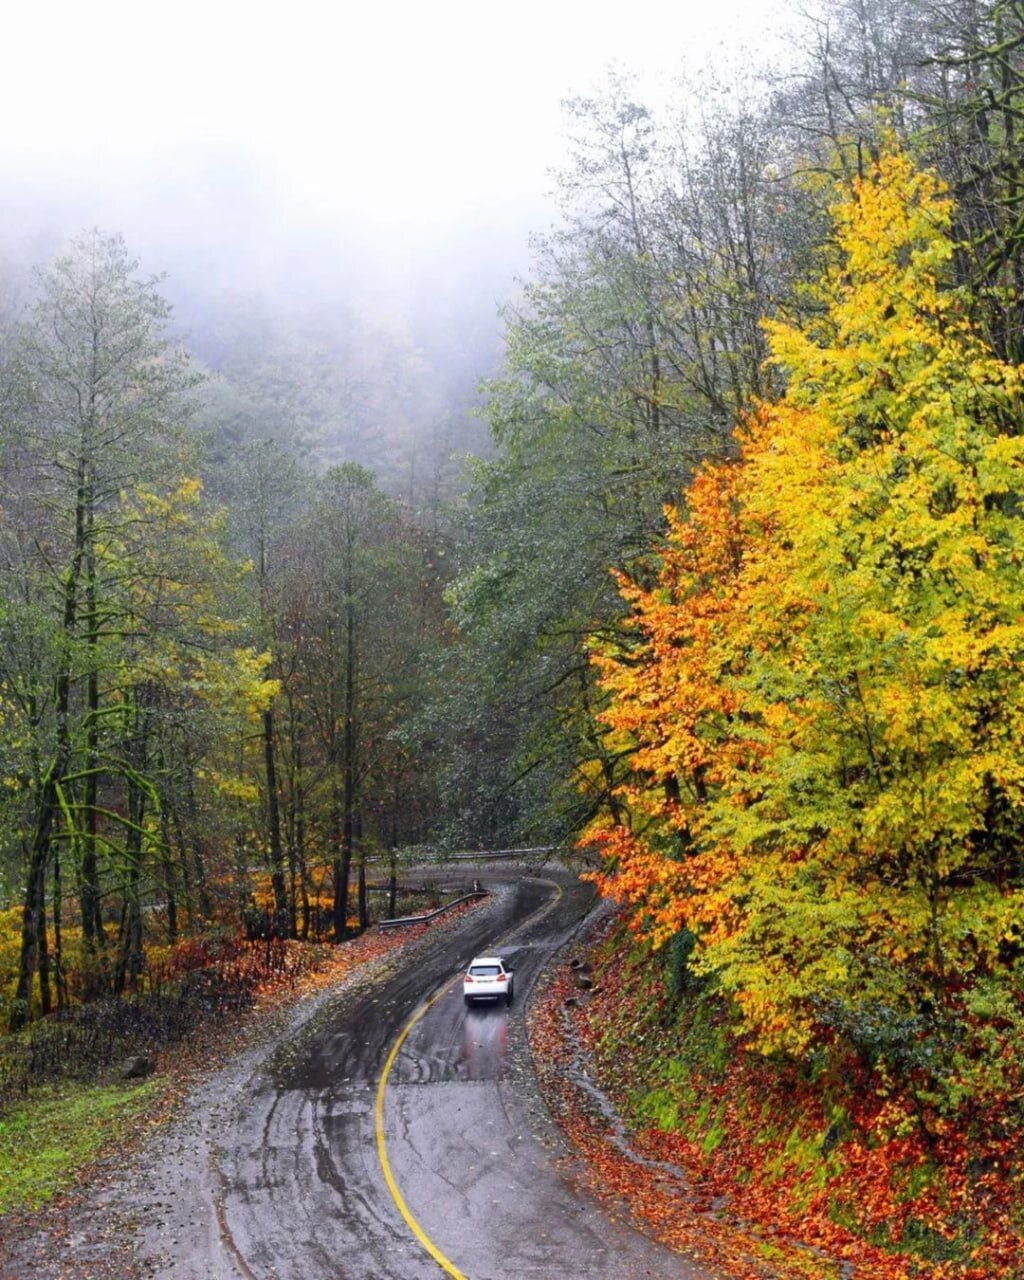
485 960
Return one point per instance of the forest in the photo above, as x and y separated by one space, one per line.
726 604
208 669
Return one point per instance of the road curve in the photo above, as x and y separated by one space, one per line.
295 1188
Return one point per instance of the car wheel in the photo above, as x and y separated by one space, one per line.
508 996
469 1001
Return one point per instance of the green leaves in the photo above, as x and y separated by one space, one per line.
829 670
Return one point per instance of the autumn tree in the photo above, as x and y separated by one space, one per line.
267 497
111 581
825 697
636 344
101 398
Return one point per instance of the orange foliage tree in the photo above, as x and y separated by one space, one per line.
823 689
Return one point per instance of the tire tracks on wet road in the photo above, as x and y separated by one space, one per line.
400 1136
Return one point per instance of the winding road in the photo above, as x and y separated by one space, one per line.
400 1135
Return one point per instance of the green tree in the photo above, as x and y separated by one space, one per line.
635 346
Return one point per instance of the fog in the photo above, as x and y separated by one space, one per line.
359 181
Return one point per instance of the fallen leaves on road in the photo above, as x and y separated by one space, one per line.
81 1234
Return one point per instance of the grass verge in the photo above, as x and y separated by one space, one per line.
47 1140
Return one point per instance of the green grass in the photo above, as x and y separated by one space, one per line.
46 1140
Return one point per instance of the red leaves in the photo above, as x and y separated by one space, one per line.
745 1168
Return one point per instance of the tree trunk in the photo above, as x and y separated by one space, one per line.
186 878
364 911
60 979
130 952
32 929
34 903
198 858
300 842
274 821
42 948
349 732
89 896
199 868
341 867
393 850
166 858
297 824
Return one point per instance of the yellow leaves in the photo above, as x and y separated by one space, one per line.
175 506
829 668
235 682
893 205
242 790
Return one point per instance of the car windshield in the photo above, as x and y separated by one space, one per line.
484 970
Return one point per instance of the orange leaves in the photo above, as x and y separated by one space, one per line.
822 693
667 700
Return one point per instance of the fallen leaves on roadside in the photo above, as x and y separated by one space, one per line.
725 1190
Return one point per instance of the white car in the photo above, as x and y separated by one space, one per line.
488 979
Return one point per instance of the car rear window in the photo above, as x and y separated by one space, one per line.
484 970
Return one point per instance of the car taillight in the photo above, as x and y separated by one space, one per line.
468 978
503 977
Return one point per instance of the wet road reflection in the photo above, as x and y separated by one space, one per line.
300 1190
484 1043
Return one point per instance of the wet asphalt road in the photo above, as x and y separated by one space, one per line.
296 1183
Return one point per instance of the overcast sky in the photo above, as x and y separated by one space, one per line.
228 138
400 110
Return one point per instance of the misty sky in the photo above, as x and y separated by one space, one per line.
389 116
318 161
355 183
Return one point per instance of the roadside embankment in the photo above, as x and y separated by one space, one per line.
759 1167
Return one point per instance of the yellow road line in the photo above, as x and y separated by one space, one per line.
382 1152
448 1267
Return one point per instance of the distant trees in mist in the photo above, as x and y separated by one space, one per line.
639 344
208 650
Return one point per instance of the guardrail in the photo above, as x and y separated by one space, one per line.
399 921
489 855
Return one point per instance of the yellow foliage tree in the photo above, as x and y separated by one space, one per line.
827 703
